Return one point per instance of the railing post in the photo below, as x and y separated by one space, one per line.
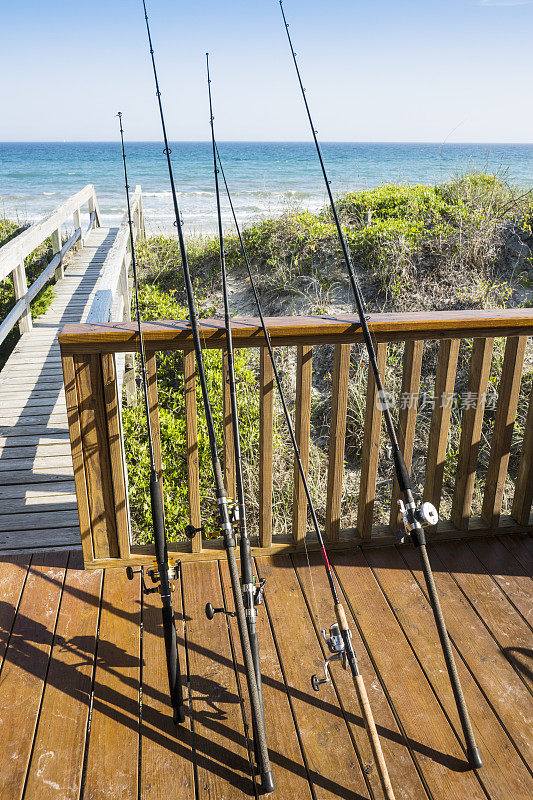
142 232
56 248
20 285
93 206
76 219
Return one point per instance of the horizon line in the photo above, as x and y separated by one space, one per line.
259 141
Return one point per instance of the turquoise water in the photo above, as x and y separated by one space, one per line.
266 178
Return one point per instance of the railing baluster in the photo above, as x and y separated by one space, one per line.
412 367
56 248
76 221
76 447
229 450
304 371
96 455
369 459
471 432
508 393
266 422
191 428
20 285
440 420
523 494
337 436
116 453
153 405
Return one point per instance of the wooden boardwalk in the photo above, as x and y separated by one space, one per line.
83 693
37 500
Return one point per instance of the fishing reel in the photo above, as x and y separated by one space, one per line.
153 573
424 515
336 648
255 589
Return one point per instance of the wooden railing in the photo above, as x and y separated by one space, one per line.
13 253
112 301
100 474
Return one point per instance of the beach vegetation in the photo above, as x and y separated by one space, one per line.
462 244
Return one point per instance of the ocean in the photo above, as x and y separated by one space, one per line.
265 178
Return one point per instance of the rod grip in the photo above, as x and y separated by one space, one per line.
341 617
375 744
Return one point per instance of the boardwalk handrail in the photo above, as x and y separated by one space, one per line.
105 524
13 253
111 300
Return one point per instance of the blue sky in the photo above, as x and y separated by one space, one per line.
386 70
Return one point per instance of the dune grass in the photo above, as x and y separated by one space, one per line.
414 248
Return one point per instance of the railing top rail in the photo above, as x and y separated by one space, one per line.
247 332
12 253
107 285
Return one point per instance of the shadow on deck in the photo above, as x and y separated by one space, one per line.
83 687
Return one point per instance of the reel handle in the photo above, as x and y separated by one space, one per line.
210 611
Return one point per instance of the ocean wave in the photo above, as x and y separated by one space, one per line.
49 193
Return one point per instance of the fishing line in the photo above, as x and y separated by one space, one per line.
339 641
224 511
414 516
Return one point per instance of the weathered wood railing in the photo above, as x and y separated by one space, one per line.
112 301
13 253
94 420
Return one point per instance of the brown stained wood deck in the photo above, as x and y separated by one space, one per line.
84 712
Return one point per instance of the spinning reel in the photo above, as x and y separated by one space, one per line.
425 515
255 590
173 575
336 647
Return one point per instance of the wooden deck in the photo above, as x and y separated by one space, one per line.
83 695
37 496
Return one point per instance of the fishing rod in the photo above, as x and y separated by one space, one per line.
414 517
225 520
252 592
339 641
164 574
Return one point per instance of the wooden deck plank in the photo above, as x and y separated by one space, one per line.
42 473
499 682
432 740
405 779
506 626
45 681
31 521
288 765
223 764
57 760
334 769
113 750
521 546
32 493
504 774
13 572
46 537
25 667
166 749
508 573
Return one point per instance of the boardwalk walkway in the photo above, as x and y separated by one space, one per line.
37 500
84 713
